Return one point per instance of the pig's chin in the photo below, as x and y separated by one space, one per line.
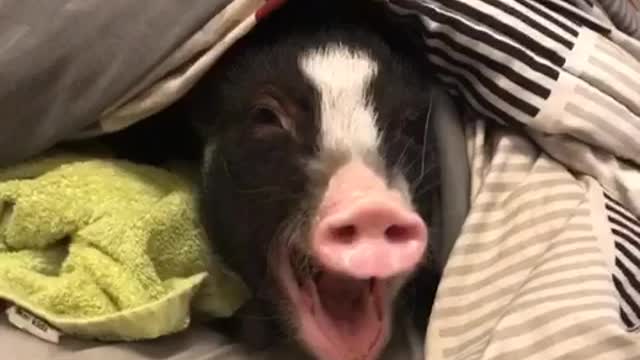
338 317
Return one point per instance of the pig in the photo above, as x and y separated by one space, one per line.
318 181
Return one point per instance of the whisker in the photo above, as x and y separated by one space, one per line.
225 166
425 189
424 136
263 189
415 183
401 158
384 129
288 338
257 317
421 187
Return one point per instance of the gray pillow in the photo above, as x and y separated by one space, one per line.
63 62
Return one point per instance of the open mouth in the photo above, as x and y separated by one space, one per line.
339 317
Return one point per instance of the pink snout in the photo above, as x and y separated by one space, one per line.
367 233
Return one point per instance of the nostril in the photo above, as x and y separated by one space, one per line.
397 233
345 234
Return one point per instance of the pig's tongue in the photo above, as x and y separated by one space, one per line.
348 312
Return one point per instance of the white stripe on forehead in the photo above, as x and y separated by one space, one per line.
342 77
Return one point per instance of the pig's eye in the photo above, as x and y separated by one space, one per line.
263 116
267 116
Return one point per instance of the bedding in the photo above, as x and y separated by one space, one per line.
62 63
545 265
623 13
107 249
195 343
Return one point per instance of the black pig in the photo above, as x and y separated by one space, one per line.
318 178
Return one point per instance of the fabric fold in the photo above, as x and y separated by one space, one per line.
107 249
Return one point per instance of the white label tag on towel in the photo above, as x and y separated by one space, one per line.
27 322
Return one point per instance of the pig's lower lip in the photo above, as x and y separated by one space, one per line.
338 317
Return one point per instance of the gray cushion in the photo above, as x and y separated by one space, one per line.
455 174
197 343
63 62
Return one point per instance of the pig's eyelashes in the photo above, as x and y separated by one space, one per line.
262 116
268 116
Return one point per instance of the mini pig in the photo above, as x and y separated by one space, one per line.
318 174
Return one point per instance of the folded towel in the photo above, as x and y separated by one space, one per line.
108 249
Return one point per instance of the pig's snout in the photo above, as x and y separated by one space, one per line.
370 238
365 229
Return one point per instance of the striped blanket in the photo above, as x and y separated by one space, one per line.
547 264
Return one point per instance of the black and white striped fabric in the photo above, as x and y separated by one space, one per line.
548 263
625 14
625 228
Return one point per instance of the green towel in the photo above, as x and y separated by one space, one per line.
108 249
